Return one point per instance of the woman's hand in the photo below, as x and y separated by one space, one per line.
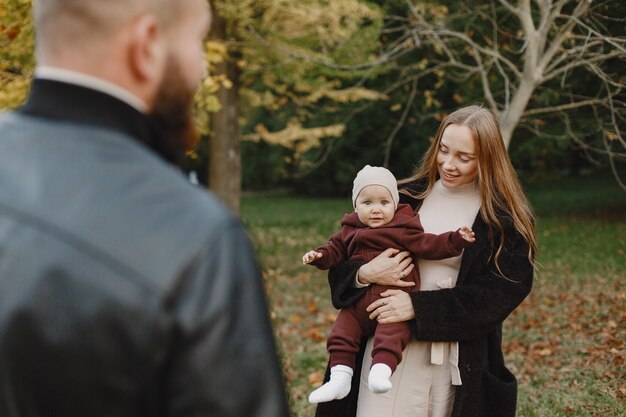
388 268
395 306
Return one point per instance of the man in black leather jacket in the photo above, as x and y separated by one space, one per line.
124 289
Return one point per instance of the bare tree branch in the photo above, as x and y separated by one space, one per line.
509 6
584 145
400 123
544 15
411 7
478 48
588 150
567 54
608 39
612 155
503 74
614 123
579 63
603 76
524 13
563 107
389 56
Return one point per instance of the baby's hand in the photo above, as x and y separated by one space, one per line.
310 256
467 234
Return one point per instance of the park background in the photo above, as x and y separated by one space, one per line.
303 93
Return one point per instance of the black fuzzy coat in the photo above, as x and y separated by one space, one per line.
470 313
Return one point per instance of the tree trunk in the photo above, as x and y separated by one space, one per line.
531 75
509 119
224 144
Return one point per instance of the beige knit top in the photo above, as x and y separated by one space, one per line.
444 210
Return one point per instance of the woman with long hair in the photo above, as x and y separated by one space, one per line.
454 366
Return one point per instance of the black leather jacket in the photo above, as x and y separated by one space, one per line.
124 290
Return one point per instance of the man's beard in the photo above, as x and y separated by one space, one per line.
172 114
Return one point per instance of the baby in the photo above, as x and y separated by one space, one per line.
379 222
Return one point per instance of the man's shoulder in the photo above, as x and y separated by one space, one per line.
160 221
110 168
102 190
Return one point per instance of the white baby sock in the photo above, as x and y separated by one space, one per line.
335 389
378 379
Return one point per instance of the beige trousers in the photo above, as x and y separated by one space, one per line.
420 389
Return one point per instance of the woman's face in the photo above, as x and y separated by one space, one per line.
457 161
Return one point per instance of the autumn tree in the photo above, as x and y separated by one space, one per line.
553 67
548 69
301 101
224 155
254 69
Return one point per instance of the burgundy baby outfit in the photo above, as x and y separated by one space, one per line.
356 241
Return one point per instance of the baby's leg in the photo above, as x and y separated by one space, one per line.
344 341
336 388
389 342
343 345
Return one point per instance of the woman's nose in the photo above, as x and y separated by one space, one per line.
447 164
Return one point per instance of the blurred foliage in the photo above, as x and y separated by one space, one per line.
319 100
16 52
398 128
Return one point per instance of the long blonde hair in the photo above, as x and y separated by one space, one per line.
499 187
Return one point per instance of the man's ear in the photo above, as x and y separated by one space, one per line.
146 49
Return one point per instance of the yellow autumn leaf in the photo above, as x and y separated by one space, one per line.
295 136
215 51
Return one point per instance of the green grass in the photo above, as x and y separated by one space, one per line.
588 196
566 342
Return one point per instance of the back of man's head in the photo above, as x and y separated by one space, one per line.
85 26
139 45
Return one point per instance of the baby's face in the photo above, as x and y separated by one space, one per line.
374 206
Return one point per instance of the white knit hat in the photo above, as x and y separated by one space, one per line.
370 175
